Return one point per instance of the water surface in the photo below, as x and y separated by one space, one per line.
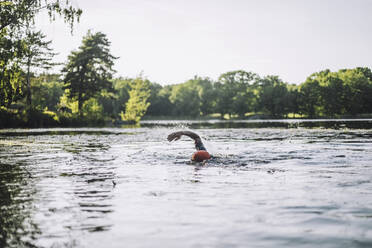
278 186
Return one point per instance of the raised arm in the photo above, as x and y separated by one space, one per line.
177 135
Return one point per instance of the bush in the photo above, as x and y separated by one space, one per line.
37 118
9 119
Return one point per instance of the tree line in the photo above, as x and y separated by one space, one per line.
236 94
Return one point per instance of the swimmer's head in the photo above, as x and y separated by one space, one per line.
200 156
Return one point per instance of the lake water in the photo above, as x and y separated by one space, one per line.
270 184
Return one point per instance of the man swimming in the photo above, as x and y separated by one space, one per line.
201 154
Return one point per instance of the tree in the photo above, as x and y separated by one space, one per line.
333 95
137 104
185 98
160 104
207 95
37 55
358 90
293 99
235 92
89 69
121 95
273 96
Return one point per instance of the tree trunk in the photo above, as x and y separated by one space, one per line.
80 103
28 81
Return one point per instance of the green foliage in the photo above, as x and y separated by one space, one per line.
37 51
14 40
91 113
138 103
358 90
37 118
346 92
11 74
17 13
160 105
107 100
68 105
310 97
292 100
92 110
235 93
10 84
332 95
273 96
121 88
185 98
46 92
207 95
89 69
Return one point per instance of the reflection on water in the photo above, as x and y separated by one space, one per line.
277 186
66 174
17 227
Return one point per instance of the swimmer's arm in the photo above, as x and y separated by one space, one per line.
177 135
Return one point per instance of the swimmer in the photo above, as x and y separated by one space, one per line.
201 153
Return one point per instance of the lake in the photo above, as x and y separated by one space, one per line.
291 183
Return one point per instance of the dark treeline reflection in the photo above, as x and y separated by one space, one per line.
237 94
16 224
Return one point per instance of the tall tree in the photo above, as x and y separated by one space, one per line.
37 55
137 104
89 69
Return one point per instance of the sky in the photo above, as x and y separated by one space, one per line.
171 41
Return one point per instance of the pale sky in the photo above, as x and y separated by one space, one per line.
171 41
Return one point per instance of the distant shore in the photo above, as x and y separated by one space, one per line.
173 120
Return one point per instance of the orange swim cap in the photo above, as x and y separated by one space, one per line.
200 156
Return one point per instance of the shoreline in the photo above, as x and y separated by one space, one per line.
334 123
